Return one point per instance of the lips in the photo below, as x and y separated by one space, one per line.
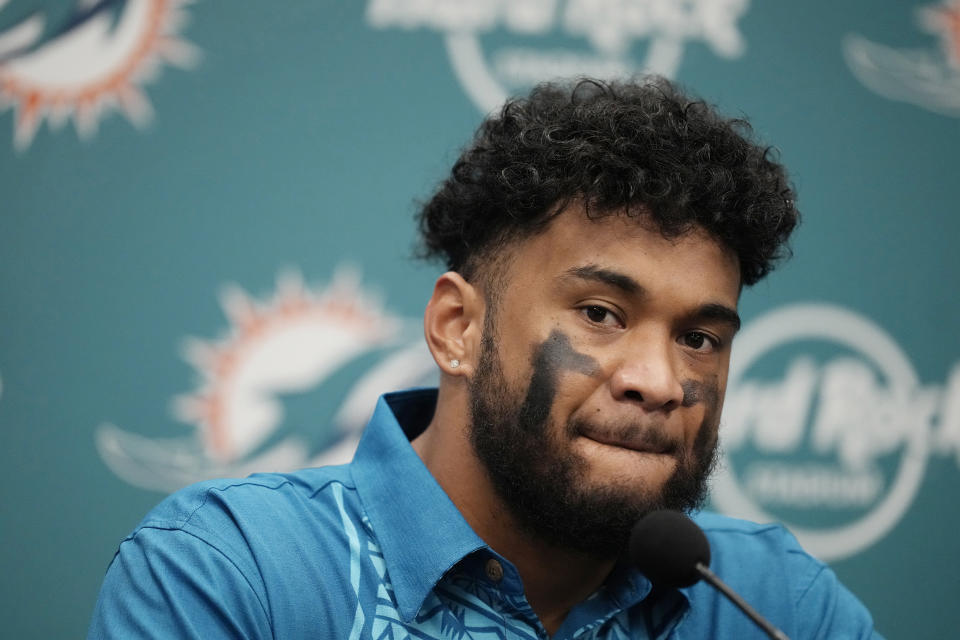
635 438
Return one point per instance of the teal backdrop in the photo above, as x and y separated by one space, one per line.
206 226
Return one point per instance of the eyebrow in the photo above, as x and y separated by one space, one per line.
720 313
598 274
711 311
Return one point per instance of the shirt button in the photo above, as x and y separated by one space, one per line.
494 570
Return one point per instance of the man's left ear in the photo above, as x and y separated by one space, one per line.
453 324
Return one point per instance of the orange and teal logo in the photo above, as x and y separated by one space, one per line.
289 383
98 63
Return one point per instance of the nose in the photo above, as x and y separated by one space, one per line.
647 375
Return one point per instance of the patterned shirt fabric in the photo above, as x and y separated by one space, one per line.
375 549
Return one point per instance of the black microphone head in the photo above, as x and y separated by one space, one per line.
666 546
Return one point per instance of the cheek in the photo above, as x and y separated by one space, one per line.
578 398
720 393
707 393
577 394
712 410
704 400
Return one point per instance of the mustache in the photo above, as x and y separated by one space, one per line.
651 437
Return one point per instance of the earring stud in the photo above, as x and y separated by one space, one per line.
454 363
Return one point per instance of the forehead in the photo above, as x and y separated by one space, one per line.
694 265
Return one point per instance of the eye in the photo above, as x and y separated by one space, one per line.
699 341
600 315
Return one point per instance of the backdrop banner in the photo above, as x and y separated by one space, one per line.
207 222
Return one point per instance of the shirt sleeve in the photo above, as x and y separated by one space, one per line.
172 583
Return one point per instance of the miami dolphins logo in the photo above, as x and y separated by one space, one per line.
290 384
97 63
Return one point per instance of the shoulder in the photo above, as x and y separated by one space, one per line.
759 554
259 543
767 565
262 544
712 522
243 516
733 536
203 502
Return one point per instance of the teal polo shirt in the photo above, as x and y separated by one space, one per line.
376 549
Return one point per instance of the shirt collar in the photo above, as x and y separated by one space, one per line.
420 531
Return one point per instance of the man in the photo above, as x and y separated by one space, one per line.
598 237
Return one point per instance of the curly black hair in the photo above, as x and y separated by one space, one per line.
635 148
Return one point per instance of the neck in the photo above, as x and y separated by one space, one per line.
554 579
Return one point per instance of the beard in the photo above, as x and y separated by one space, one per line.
545 485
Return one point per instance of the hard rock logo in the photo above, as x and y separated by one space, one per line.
500 47
827 428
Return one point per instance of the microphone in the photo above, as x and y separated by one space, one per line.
672 551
